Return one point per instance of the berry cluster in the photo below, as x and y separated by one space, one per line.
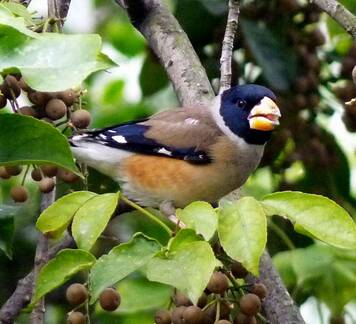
223 302
60 109
77 295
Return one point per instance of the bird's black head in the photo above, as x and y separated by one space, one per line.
249 111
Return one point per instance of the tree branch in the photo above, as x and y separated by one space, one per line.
339 13
171 44
228 45
23 292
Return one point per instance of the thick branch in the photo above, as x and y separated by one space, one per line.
278 304
228 45
23 292
171 44
339 13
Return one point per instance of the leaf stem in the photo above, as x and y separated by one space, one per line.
283 236
148 214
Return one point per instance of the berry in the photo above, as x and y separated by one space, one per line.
28 111
56 109
260 290
23 85
81 119
3 100
76 294
202 301
181 300
238 270
13 170
67 96
10 88
243 319
177 315
76 318
36 174
49 170
250 304
18 193
46 185
67 176
163 317
4 174
193 315
218 283
39 98
300 101
109 299
225 310
289 5
301 84
317 38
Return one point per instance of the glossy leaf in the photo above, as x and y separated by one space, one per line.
188 267
56 218
201 217
91 219
58 270
7 228
120 262
45 145
242 231
319 216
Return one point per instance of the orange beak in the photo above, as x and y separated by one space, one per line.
264 116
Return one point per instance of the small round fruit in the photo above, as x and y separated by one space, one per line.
3 174
46 185
250 304
225 310
23 85
36 174
218 283
19 193
193 315
28 111
202 301
243 319
109 299
13 170
163 316
181 299
39 98
81 119
76 294
56 109
177 315
3 101
49 170
260 290
67 176
238 270
10 88
68 97
76 318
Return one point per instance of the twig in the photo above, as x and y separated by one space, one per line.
23 292
172 46
41 258
278 305
228 45
339 13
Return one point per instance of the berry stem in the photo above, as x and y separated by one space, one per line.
25 175
148 214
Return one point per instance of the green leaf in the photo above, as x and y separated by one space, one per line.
55 219
91 219
269 46
120 262
45 145
200 216
7 228
183 237
18 10
188 267
58 270
317 215
242 231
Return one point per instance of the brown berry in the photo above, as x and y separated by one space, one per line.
243 319
23 85
163 316
313 100
46 185
76 294
300 101
225 310
13 170
193 315
18 193
218 283
3 100
76 318
81 119
10 88
317 37
69 96
250 304
36 174
28 111
56 109
260 290
301 84
181 299
238 270
49 170
312 62
347 65
67 176
39 98
4 174
177 315
109 299
289 5
202 301
337 319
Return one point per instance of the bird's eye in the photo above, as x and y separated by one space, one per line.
241 103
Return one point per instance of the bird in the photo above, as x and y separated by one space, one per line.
185 154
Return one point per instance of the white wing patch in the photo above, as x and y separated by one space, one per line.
191 121
120 139
164 151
